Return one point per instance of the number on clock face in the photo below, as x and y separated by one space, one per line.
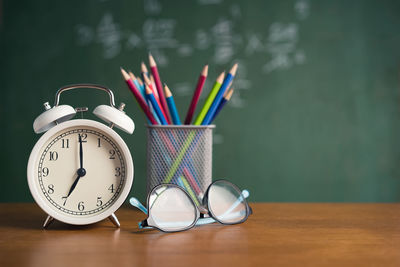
81 190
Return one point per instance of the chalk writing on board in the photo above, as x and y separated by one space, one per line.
302 9
152 7
276 45
281 45
109 35
85 34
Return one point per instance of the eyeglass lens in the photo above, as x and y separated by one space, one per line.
226 203
171 209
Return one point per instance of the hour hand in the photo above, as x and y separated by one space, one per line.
73 185
81 172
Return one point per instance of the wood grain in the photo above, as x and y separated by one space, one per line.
275 235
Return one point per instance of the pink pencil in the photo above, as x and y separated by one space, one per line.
138 96
196 95
157 80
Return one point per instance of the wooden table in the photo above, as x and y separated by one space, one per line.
275 235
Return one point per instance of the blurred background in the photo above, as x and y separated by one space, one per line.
315 114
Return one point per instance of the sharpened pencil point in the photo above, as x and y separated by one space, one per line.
167 91
228 94
148 90
152 62
146 80
125 74
204 72
221 77
133 77
234 69
143 67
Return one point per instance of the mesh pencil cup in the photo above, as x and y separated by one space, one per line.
182 155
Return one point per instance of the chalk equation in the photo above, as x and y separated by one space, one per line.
277 44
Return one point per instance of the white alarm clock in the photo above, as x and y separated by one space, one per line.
80 171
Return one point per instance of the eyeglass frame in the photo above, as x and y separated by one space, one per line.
201 211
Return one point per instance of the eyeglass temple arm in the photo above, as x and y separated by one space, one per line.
137 204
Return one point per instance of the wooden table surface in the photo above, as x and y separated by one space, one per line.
275 235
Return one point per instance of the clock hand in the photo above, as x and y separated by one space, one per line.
81 172
73 185
80 152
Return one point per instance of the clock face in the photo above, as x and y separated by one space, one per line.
80 171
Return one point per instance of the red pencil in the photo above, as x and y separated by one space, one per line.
196 95
138 96
154 70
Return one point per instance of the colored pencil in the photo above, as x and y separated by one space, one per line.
225 99
157 80
137 84
171 105
196 95
140 85
144 68
189 189
228 79
140 82
148 83
210 99
138 97
145 73
153 101
154 86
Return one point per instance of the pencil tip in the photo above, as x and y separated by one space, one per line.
234 69
167 91
152 62
126 75
146 79
132 75
143 67
220 78
148 90
229 94
205 71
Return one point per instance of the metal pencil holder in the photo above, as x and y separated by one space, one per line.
180 155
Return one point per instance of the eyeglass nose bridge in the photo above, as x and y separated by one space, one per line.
203 210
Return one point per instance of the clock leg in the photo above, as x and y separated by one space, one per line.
48 221
114 220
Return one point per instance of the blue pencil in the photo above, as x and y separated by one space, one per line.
171 105
225 99
136 82
153 101
211 111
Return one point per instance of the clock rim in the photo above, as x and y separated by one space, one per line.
46 206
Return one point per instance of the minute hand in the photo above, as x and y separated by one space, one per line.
80 152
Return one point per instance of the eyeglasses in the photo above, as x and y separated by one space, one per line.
171 209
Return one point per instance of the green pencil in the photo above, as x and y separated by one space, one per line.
210 99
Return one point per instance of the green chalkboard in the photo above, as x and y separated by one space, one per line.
315 113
